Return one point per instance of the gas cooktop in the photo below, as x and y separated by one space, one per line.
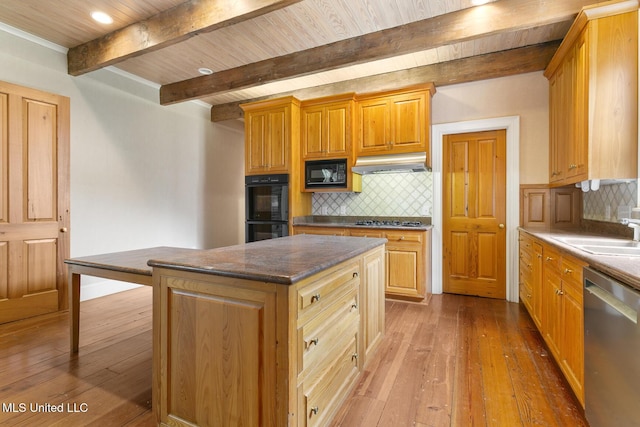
388 223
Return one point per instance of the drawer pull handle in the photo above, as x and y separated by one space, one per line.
315 297
355 274
354 305
568 271
549 258
559 292
313 341
354 356
314 410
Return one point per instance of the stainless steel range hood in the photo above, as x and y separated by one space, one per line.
407 162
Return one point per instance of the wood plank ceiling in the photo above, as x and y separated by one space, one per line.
261 49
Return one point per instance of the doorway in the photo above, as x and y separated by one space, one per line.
512 126
474 213
34 202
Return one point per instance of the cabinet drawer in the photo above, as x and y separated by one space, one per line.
572 274
552 259
318 337
322 398
399 236
367 232
315 296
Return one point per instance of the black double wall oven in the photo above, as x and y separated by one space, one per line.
267 207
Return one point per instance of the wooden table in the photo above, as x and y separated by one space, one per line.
127 266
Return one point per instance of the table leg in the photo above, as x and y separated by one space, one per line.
74 309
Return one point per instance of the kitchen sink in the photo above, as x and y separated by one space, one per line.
600 246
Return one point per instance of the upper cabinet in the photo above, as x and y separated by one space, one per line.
327 127
395 121
271 135
593 94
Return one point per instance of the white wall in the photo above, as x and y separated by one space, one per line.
142 175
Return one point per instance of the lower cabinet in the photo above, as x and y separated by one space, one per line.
408 257
231 352
551 290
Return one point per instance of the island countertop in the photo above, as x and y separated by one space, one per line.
284 260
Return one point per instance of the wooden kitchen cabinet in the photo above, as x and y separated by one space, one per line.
555 304
231 351
272 130
394 121
327 127
408 261
593 89
408 257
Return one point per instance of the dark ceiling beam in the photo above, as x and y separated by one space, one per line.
493 65
468 24
165 29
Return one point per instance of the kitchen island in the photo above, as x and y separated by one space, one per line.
270 333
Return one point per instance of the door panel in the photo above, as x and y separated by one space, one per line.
474 213
40 160
34 202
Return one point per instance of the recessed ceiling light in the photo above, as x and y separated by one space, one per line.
205 71
102 17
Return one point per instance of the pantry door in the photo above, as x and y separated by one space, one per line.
474 214
34 202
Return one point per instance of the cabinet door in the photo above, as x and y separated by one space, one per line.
255 142
556 156
267 141
552 309
408 122
580 144
278 141
373 126
405 265
326 130
312 132
572 349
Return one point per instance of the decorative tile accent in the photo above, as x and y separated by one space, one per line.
386 194
611 202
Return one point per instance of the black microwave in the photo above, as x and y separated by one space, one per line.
325 174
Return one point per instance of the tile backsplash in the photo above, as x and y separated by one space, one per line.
611 202
386 194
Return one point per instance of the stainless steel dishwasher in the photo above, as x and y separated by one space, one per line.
612 351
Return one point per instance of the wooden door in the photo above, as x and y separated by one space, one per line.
34 202
474 213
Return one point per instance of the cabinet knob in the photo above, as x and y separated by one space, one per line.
354 305
568 271
501 226
549 258
63 230
355 274
314 410
401 238
354 356
315 297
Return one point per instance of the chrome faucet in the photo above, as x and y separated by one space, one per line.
632 223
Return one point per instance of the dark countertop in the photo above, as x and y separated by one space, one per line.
623 268
134 261
350 222
285 260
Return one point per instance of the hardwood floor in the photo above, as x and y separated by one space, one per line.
454 360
